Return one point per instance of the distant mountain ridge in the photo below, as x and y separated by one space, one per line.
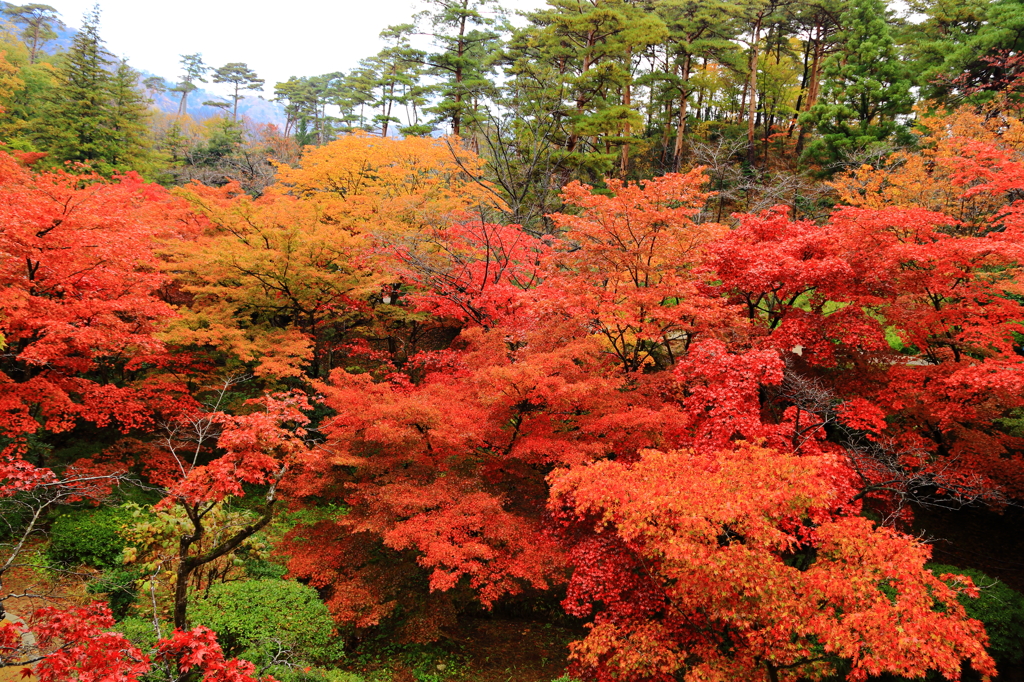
253 107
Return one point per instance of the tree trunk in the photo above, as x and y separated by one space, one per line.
188 564
33 48
627 129
574 137
457 115
803 89
677 156
752 93
814 81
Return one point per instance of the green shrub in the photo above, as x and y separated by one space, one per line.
140 632
88 537
258 619
1000 608
307 674
258 568
14 517
121 587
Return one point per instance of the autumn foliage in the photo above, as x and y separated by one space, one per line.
687 426
733 564
78 290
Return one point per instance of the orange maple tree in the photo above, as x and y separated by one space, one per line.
732 564
636 266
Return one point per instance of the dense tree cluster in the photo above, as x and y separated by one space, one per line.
677 333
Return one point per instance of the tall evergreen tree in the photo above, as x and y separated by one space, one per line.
818 21
865 87
976 48
129 112
573 55
93 114
241 77
356 93
193 70
396 72
939 48
465 37
76 125
292 94
696 29
39 22
761 16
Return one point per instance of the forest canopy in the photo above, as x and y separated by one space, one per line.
657 340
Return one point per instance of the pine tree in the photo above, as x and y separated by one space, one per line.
943 45
576 51
465 38
395 72
194 70
94 114
39 22
241 77
129 111
696 29
76 127
963 46
865 86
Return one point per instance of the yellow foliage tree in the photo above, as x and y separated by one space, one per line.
278 284
270 280
9 81
390 187
933 178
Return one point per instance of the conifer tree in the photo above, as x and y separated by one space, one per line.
241 77
395 72
305 102
80 106
972 41
944 44
696 29
39 22
194 70
465 36
93 114
865 85
577 52
129 111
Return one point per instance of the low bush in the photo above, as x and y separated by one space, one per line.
267 620
120 585
1001 609
88 537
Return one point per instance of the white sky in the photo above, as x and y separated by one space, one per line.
276 39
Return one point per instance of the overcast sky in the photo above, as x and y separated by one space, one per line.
276 39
